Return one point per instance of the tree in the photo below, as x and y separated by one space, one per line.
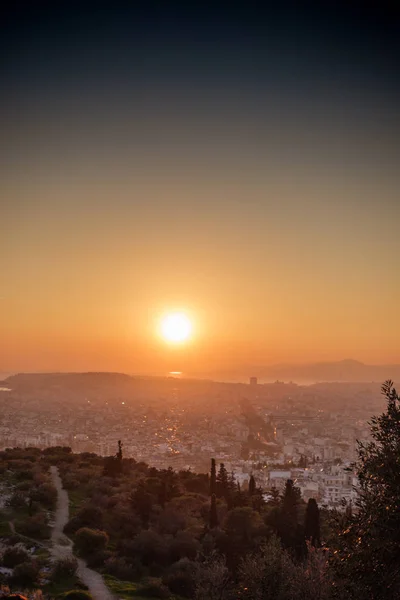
367 553
180 578
213 479
113 464
222 482
274 497
264 573
286 525
142 504
212 578
311 526
119 452
213 512
252 486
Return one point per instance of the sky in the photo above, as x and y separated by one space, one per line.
241 166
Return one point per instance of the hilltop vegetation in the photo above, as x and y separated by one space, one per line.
165 534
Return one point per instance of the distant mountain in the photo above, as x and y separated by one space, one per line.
341 371
348 370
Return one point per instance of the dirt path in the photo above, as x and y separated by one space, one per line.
62 545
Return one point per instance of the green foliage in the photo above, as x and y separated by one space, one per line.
212 580
89 541
311 526
153 588
17 500
25 574
180 578
88 516
77 595
213 512
222 482
366 553
142 503
125 568
13 557
213 479
33 527
64 568
45 494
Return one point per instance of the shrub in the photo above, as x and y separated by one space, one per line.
88 516
46 494
17 500
65 567
124 570
35 527
96 560
88 541
13 557
183 546
25 574
77 595
150 547
180 578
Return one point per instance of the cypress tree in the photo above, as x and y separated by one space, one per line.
252 486
213 481
222 482
213 512
311 525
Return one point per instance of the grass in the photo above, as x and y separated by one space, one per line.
59 587
125 590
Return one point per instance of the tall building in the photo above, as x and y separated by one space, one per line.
253 380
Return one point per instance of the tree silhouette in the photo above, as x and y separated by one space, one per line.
222 482
119 453
367 552
213 512
213 480
311 526
252 486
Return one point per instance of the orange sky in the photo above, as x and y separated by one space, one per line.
240 169
83 289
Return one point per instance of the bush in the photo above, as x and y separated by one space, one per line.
77 595
46 494
180 578
89 541
96 560
183 546
65 567
13 557
25 574
153 589
88 516
35 527
150 547
124 570
17 500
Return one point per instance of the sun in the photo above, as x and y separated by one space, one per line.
176 327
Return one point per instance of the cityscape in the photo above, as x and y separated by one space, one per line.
275 432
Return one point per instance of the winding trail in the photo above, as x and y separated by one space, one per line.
62 545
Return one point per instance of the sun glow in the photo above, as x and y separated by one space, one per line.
176 327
